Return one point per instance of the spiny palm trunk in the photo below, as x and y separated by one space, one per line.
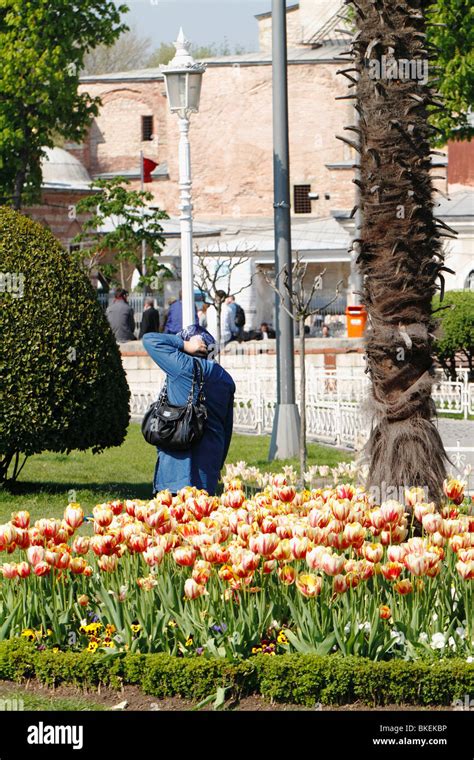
400 248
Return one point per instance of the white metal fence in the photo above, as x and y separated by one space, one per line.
341 424
351 387
334 409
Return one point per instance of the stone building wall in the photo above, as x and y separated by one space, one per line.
57 212
114 141
231 138
144 376
293 29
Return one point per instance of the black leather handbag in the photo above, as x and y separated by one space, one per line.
177 428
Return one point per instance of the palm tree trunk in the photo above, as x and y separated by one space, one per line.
400 247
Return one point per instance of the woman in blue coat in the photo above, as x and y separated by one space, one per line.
175 355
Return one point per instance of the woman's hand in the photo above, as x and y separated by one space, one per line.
195 346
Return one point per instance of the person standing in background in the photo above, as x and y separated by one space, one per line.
229 330
150 318
121 318
239 318
174 320
202 315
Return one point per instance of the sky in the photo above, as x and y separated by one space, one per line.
203 21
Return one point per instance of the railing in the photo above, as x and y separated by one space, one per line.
343 425
328 29
470 398
352 387
459 456
450 397
334 409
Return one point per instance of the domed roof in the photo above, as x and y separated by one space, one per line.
61 170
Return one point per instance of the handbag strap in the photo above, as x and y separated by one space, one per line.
197 371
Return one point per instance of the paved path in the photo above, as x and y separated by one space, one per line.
453 431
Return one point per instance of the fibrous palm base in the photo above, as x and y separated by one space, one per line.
400 246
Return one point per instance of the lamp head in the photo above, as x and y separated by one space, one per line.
183 77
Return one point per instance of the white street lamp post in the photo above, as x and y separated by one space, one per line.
183 78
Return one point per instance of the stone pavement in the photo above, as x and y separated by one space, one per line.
453 431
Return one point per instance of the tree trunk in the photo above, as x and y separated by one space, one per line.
469 357
18 189
303 448
5 462
400 247
218 307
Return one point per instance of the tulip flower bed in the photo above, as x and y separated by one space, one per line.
318 572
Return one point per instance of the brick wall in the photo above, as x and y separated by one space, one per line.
461 165
144 376
231 138
293 30
114 141
57 212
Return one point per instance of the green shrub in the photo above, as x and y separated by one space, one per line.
63 384
455 334
294 679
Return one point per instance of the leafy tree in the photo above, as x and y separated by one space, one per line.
450 37
400 254
455 335
132 224
43 45
162 55
129 52
63 386
451 30
167 51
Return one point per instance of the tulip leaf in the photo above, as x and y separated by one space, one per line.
5 629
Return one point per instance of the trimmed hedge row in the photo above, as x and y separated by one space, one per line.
296 679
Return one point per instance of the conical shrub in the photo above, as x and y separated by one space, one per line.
63 386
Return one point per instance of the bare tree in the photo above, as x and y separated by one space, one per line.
129 52
301 308
213 276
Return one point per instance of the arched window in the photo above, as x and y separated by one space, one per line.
469 285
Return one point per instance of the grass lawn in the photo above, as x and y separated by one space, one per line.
48 481
40 703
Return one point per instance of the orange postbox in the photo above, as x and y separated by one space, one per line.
356 321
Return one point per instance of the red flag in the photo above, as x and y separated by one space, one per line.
148 167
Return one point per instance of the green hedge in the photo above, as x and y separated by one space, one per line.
296 679
63 383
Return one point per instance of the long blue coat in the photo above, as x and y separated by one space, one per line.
201 465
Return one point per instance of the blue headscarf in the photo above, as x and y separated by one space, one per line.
188 332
